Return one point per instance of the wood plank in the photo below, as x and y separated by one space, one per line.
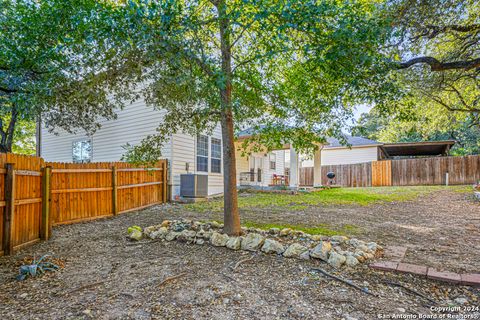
81 190
138 169
27 201
80 170
28 173
8 216
138 185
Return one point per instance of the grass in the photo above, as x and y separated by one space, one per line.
328 197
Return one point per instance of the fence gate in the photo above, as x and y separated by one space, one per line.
382 173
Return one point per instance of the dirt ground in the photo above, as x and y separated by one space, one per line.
108 277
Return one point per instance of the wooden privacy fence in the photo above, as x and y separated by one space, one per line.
37 195
404 172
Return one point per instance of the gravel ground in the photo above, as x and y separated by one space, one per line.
106 277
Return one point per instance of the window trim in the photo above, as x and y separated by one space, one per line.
202 156
86 139
215 158
272 164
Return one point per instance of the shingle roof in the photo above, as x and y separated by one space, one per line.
353 141
332 142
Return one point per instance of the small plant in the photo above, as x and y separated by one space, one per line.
37 267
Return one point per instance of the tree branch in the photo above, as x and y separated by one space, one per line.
436 65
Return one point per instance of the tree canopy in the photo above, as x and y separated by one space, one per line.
51 67
436 47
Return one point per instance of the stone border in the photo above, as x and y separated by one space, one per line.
337 251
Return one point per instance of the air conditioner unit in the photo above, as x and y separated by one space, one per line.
193 185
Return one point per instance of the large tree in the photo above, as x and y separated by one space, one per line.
436 49
51 68
292 69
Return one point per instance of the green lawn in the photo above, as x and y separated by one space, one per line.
335 196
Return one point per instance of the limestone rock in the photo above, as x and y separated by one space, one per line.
285 232
273 246
336 260
218 239
322 250
200 241
165 223
159 234
351 261
295 250
273 231
234 243
252 242
187 235
171 235
135 235
339 239
305 255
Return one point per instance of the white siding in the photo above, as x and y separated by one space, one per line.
348 156
133 123
184 151
243 165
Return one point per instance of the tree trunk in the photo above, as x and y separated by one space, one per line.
6 140
230 208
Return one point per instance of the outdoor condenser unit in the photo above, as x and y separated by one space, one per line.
193 185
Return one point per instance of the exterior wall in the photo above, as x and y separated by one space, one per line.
133 123
335 156
184 154
243 165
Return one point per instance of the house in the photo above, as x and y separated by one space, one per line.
357 150
200 155
360 150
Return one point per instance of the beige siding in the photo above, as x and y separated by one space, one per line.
184 152
348 156
243 165
133 123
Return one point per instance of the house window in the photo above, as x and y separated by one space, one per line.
216 157
273 161
82 151
202 153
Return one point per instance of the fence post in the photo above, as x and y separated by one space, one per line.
114 191
9 209
164 181
46 227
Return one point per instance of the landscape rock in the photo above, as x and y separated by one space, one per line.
274 231
272 246
322 250
305 255
295 250
336 260
339 239
351 261
159 234
234 243
135 235
285 232
171 235
252 242
165 223
200 241
218 239
187 235
215 225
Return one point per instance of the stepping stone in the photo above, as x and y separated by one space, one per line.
443 275
412 268
384 266
471 279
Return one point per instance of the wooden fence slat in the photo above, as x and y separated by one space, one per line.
45 229
8 223
114 191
